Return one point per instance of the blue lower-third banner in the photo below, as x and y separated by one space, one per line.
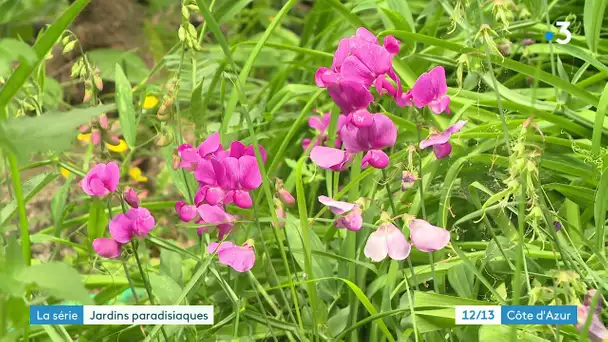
516 314
121 315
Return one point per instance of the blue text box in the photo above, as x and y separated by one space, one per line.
56 314
539 314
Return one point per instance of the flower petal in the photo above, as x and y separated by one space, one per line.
242 199
121 228
241 259
249 173
397 245
107 247
375 158
336 207
214 214
216 247
375 247
442 150
426 237
210 145
327 157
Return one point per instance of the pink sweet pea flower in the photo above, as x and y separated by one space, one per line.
136 222
387 240
239 258
430 90
107 247
597 330
185 211
320 124
426 237
210 146
349 213
130 196
217 216
360 60
101 180
441 141
189 156
330 158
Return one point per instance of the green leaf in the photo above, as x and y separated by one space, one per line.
337 323
50 132
321 267
58 204
58 279
97 220
12 50
196 106
30 189
126 110
171 265
461 280
599 208
165 289
578 194
600 116
42 48
401 9
593 17
135 68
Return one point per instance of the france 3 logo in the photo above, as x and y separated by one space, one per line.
563 28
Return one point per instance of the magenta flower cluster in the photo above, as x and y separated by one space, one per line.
225 177
103 180
360 62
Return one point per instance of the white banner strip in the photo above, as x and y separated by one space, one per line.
148 314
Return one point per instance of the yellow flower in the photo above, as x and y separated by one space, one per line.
84 137
150 102
121 147
136 175
64 172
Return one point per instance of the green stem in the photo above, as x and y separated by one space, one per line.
131 285
23 225
351 245
394 209
411 305
146 283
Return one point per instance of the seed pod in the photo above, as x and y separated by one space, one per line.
165 140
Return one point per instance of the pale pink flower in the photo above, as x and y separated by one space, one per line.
426 237
597 330
388 240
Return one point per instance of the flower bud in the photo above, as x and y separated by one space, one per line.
96 137
88 95
286 197
103 121
98 82
130 196
165 140
84 129
408 179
